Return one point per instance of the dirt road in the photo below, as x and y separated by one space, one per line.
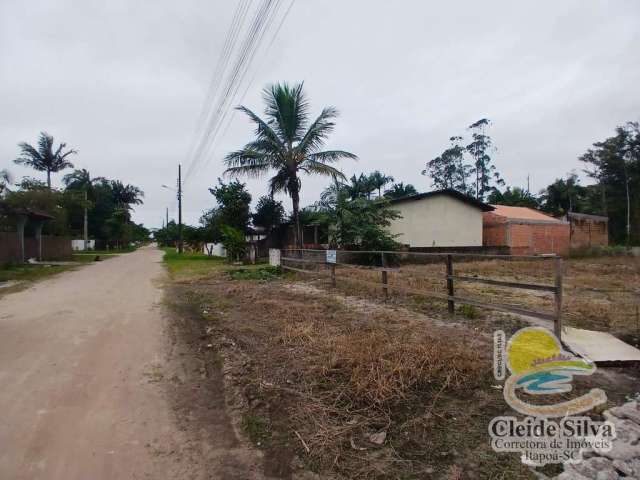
90 387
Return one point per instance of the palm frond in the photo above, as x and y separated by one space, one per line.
331 156
251 171
282 181
263 129
319 168
318 131
287 108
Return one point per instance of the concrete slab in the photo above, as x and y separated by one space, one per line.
599 346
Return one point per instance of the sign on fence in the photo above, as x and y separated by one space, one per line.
274 257
331 256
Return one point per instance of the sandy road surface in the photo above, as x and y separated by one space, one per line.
84 362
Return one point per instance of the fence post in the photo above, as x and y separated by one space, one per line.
557 327
332 267
385 280
450 303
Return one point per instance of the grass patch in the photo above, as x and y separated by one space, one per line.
30 273
260 273
256 428
187 264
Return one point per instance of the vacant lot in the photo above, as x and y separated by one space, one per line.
349 387
599 293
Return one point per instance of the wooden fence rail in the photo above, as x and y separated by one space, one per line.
450 281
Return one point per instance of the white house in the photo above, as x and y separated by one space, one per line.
442 218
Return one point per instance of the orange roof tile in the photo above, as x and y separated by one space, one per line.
522 213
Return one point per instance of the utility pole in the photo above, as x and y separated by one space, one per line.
86 221
179 208
167 217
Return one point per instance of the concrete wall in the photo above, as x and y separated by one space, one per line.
78 245
437 221
214 249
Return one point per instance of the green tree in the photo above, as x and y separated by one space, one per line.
269 213
357 224
233 241
233 201
81 181
45 158
379 180
563 196
287 143
515 197
125 196
480 148
449 170
399 190
615 164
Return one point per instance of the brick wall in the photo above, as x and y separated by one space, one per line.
586 232
525 238
494 230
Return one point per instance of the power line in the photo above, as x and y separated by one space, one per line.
223 61
262 21
257 22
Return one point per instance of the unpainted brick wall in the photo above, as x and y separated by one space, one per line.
525 238
587 232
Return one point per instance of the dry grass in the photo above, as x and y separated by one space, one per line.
320 377
599 293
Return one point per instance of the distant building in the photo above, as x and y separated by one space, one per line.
442 218
525 231
587 230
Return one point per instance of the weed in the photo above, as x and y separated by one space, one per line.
263 273
468 311
256 428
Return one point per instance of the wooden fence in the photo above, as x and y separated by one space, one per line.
383 262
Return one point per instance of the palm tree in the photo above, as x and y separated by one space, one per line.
125 196
399 190
81 180
45 158
288 144
378 180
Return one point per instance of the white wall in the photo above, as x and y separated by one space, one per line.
437 221
214 249
77 245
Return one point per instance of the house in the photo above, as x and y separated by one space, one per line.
587 231
442 218
525 231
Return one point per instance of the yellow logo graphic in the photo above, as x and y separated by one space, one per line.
539 366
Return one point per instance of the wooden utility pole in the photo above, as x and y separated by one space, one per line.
180 246
86 221
166 223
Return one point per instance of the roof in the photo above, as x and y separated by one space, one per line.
587 216
448 192
523 213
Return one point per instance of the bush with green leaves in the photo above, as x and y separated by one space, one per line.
234 242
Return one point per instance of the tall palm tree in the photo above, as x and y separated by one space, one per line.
286 142
45 158
81 180
125 196
379 180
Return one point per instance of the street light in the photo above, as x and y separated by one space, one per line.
179 193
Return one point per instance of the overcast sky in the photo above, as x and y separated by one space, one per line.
124 82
